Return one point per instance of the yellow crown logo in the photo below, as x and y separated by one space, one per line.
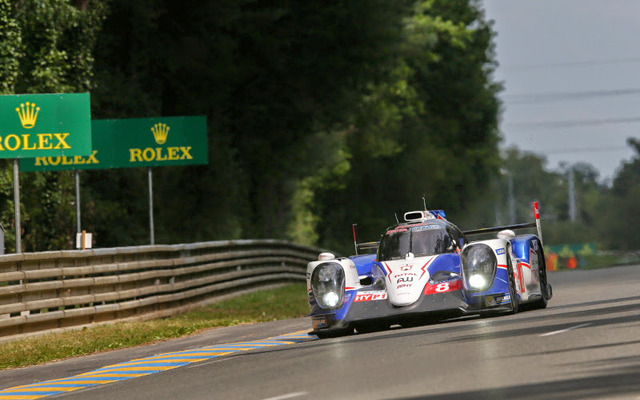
28 113
160 132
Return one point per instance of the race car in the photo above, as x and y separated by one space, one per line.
424 270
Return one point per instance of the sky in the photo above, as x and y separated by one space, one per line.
571 71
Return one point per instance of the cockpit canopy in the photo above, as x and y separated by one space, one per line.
422 239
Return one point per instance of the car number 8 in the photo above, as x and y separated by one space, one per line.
442 287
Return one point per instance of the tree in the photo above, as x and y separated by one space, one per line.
427 126
46 47
269 75
620 208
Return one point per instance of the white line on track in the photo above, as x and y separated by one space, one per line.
564 330
288 396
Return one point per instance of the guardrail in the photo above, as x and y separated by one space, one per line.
65 289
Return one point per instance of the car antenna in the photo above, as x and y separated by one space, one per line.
355 241
397 220
424 202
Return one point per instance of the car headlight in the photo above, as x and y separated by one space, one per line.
479 264
327 283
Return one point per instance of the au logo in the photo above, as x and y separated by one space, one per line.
28 114
160 132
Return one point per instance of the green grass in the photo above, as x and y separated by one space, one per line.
286 302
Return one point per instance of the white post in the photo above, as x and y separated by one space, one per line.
151 234
78 217
16 204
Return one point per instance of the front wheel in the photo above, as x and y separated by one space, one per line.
373 326
333 333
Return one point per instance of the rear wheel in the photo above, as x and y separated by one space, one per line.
545 289
513 294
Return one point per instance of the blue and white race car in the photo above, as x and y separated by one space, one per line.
425 270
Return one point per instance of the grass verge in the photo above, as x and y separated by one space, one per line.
269 305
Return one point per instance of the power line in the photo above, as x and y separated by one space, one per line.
514 99
571 64
586 150
573 123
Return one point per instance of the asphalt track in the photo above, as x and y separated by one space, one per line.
585 345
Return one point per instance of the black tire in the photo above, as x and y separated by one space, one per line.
334 333
370 327
545 289
513 294
413 322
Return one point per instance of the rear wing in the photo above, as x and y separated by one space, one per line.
536 224
364 245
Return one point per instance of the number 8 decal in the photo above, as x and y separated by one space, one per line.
442 287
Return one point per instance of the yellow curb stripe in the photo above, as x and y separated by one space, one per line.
110 375
40 389
200 357
233 348
118 370
108 369
144 361
74 382
157 359
190 353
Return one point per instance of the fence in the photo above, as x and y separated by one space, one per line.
64 289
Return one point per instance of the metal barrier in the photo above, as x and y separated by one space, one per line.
41 292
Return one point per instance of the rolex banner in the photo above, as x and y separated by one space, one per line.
45 125
139 142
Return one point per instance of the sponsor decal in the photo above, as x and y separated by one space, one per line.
29 115
64 160
500 251
370 296
47 125
406 267
160 132
442 287
426 227
319 322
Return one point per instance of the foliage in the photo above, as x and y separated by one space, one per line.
428 126
46 47
319 116
10 44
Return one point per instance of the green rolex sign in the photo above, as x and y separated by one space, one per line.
138 142
45 125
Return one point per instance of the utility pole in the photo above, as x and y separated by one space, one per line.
512 201
573 215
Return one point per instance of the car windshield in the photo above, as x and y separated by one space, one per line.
423 240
